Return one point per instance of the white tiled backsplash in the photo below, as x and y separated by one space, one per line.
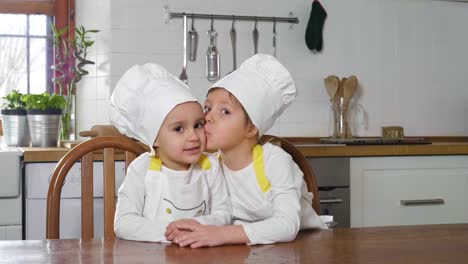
410 57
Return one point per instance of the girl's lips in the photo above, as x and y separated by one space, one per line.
194 150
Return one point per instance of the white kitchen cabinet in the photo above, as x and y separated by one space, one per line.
10 193
38 175
389 191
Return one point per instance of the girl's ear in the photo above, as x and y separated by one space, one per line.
252 131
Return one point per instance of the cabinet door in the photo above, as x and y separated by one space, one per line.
409 190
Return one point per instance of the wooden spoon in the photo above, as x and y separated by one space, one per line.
332 84
339 94
350 86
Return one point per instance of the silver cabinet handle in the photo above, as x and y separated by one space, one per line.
331 201
422 202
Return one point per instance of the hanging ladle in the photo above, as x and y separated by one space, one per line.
193 42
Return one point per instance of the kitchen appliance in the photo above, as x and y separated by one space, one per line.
10 193
332 176
38 176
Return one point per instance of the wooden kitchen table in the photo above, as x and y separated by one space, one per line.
405 244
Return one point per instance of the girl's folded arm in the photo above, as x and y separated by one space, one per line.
129 222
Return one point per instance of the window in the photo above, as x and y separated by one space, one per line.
26 44
26 53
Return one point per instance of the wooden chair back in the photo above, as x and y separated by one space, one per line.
84 152
301 161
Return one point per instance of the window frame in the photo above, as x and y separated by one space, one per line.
63 12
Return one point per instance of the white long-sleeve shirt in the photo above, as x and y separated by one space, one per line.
278 214
138 212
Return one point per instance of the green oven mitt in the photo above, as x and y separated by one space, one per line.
313 35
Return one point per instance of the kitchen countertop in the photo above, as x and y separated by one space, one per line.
436 148
311 147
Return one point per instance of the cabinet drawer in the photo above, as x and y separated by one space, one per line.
12 232
409 191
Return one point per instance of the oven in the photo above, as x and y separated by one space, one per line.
332 176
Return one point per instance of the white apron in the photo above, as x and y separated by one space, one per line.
166 202
309 218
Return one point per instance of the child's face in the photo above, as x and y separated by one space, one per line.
181 139
226 122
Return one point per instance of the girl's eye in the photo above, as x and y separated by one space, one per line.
207 109
178 129
226 112
199 125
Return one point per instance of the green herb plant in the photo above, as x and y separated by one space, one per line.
13 101
43 101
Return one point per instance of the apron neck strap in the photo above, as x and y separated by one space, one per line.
156 163
259 166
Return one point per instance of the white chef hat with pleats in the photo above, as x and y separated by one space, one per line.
142 99
263 86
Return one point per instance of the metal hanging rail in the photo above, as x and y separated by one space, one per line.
293 20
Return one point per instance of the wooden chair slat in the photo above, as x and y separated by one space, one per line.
109 192
129 157
87 196
84 152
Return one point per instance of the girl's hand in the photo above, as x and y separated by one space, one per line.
173 231
200 236
176 233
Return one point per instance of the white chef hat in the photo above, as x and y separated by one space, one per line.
263 86
143 98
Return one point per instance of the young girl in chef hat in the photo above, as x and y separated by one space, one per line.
268 194
176 183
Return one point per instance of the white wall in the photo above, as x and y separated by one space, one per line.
410 57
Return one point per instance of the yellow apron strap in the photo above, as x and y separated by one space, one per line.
259 167
155 163
204 162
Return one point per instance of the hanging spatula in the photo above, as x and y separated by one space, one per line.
274 37
233 43
255 37
183 75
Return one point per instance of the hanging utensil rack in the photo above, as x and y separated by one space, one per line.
169 15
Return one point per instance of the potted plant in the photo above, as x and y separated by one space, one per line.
71 59
44 115
15 123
